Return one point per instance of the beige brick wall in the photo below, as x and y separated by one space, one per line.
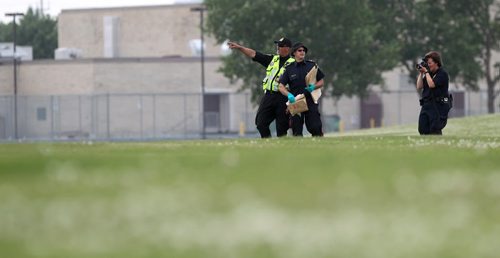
55 78
170 75
156 96
97 76
149 31
48 78
6 79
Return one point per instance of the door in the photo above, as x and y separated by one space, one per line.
371 111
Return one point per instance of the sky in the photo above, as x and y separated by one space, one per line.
54 7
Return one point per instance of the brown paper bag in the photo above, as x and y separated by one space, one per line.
311 78
299 106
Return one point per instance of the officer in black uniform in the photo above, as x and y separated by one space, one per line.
295 77
435 102
273 104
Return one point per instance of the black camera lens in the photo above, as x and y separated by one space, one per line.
423 63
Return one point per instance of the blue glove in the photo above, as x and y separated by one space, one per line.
291 98
311 87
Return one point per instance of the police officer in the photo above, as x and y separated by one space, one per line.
295 77
433 79
273 104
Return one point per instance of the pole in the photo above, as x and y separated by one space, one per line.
201 10
203 135
14 15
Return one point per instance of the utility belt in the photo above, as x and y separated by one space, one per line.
444 100
268 92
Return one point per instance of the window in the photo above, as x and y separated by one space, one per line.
41 114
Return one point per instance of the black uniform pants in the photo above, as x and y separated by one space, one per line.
312 119
272 106
433 117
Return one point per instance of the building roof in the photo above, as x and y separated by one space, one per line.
121 8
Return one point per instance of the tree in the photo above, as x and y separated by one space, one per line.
484 17
36 30
464 31
342 36
427 25
355 41
5 31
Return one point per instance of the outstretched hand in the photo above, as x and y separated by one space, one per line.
233 45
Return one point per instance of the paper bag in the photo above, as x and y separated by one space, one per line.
299 106
311 78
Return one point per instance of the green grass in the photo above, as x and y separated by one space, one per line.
370 193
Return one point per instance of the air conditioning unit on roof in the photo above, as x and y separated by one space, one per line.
67 53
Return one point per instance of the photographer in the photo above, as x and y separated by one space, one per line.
435 102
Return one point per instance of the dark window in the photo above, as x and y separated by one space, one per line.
41 114
211 102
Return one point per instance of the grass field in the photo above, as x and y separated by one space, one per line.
370 193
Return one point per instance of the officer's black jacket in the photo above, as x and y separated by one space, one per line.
295 76
265 60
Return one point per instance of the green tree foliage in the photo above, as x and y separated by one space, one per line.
344 37
464 31
483 16
36 30
5 31
428 25
355 41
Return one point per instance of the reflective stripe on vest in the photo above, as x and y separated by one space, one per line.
273 73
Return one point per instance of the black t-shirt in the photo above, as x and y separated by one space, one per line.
265 60
295 76
441 80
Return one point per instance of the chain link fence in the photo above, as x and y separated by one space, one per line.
122 117
179 116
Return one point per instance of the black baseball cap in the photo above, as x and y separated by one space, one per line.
283 42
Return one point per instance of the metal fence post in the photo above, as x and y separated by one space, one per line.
80 114
185 112
52 116
154 115
108 133
141 115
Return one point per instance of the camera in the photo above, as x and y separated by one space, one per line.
423 63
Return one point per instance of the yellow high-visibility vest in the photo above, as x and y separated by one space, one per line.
273 73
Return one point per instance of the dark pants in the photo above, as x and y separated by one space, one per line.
312 119
433 118
272 106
